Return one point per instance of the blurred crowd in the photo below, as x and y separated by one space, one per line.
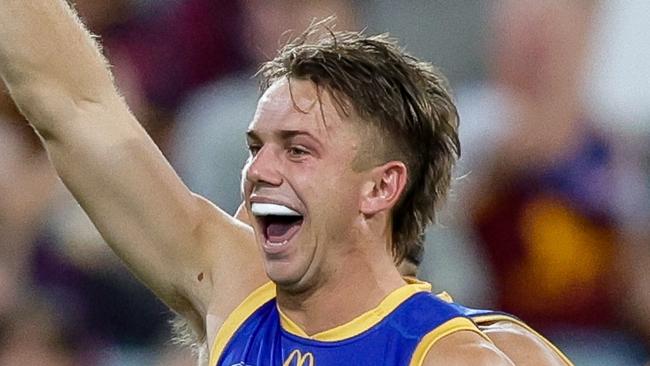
548 218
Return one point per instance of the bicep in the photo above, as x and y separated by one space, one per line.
165 234
124 184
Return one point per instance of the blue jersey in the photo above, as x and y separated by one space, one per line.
399 331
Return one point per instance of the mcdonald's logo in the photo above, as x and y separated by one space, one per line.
300 360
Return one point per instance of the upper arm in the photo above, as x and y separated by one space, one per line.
523 346
184 248
242 214
180 245
170 238
465 348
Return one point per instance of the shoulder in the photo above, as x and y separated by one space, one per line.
466 348
522 345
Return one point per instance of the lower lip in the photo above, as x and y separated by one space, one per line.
279 248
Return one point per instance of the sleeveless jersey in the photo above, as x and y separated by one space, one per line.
399 331
482 318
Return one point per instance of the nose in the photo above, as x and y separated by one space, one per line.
263 168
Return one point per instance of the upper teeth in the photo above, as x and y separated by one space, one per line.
266 209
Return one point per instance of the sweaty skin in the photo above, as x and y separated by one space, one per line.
188 251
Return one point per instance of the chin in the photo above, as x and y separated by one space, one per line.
286 275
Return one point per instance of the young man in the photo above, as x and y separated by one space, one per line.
351 148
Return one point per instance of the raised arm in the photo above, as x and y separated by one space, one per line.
181 246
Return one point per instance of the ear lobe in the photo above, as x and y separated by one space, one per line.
385 187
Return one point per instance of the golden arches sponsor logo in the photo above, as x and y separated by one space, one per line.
297 358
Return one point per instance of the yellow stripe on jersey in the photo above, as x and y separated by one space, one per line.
451 326
241 313
499 317
364 321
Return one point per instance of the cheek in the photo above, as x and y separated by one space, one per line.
338 201
330 190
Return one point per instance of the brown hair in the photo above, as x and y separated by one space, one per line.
404 99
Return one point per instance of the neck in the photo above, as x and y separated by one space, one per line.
355 287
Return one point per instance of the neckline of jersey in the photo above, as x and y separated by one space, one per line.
362 322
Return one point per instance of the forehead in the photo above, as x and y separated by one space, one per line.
299 105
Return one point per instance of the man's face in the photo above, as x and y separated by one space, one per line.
300 189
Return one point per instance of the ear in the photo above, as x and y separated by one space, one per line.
384 187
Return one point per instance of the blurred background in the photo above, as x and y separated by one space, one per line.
549 215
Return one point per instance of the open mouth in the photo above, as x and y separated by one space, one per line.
279 223
279 229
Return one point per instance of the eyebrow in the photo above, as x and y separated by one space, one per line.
284 135
251 135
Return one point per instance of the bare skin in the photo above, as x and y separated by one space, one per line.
474 349
521 345
189 252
